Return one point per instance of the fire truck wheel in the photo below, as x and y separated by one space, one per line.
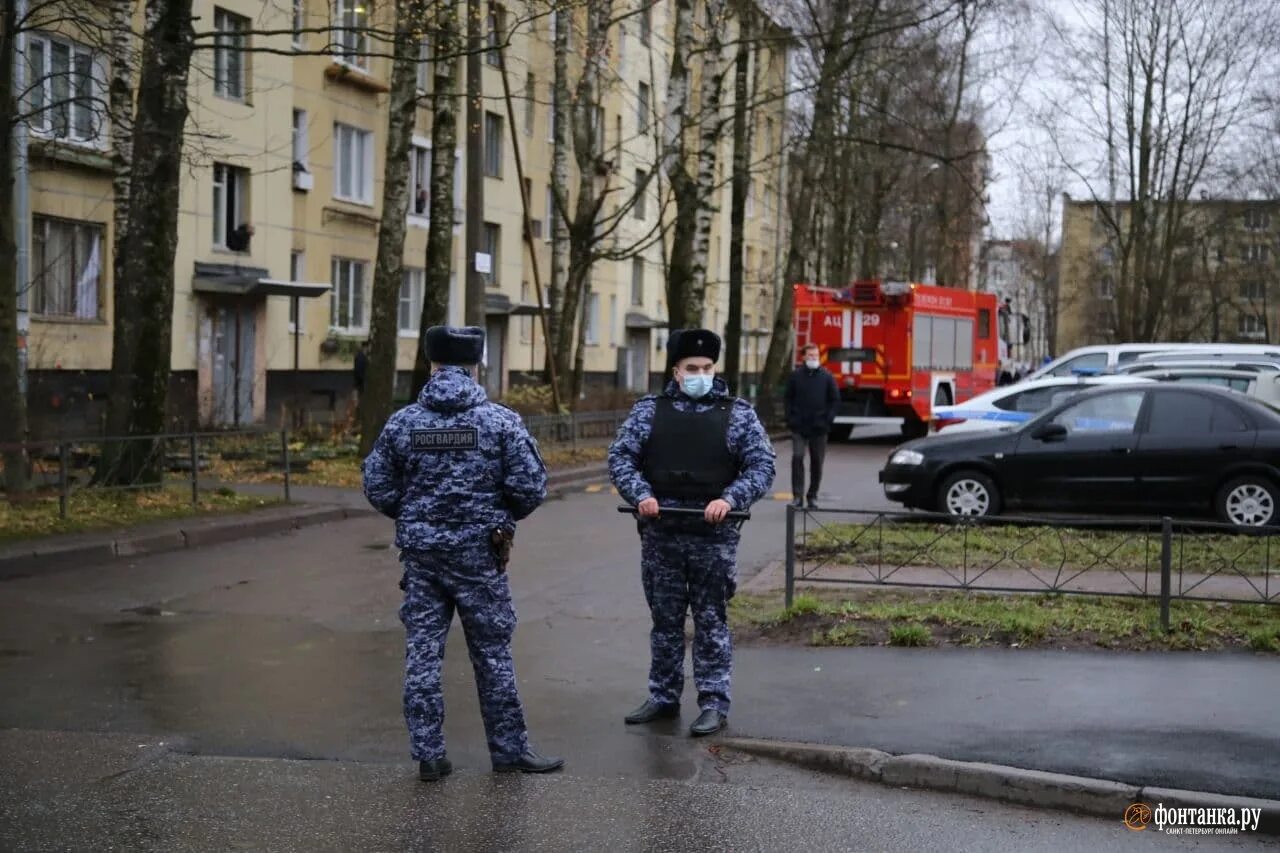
969 493
914 428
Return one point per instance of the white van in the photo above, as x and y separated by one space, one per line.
1105 357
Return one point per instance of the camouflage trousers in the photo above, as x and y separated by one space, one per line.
685 572
434 586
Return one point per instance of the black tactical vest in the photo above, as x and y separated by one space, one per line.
687 456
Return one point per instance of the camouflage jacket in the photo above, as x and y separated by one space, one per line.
453 466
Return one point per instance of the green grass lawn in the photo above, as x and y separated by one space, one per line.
900 618
92 509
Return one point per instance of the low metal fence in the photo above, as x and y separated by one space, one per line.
67 469
1159 558
593 427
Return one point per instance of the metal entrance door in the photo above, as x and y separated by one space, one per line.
494 338
232 349
638 361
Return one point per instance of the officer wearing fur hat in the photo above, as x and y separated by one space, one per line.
456 472
692 446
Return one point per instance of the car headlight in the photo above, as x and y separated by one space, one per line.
907 457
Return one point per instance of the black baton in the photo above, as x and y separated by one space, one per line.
734 514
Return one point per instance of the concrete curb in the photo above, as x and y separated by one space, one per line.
1099 797
194 533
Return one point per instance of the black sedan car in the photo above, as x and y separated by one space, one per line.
1126 449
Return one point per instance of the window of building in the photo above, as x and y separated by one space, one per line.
66 267
1255 290
1106 288
551 211
531 101
419 181
67 89
493 145
646 22
1256 253
424 66
496 36
614 332
1251 326
592 332
637 281
1255 219
229 52
493 248
346 300
351 25
410 310
352 164
300 143
751 198
230 202
299 22
597 131
551 112
642 192
642 108
297 272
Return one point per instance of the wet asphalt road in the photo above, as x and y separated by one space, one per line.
244 656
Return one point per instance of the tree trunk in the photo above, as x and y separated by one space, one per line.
676 121
13 425
388 273
782 340
143 315
444 139
558 342
738 213
120 106
710 128
593 188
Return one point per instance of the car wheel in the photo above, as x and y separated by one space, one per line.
1249 501
969 493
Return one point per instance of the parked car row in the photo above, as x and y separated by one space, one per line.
1101 445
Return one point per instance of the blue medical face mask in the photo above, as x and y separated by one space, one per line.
696 386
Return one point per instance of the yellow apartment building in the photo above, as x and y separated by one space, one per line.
1223 285
287 134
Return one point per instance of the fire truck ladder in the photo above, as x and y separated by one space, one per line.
804 325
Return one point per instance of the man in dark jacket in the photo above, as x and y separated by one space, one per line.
811 399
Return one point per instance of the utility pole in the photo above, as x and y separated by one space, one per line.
475 301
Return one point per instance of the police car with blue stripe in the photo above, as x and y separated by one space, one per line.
1010 405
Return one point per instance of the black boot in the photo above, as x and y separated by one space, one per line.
433 771
709 722
650 711
530 762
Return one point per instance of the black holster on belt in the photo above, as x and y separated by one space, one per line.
502 538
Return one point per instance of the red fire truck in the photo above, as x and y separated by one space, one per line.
898 349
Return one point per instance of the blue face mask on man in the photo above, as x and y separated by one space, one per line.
697 385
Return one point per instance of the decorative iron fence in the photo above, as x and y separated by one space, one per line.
1142 558
66 469
575 427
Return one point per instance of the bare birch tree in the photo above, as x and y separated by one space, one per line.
384 334
1146 126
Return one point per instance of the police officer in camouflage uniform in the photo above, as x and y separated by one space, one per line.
456 472
691 446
